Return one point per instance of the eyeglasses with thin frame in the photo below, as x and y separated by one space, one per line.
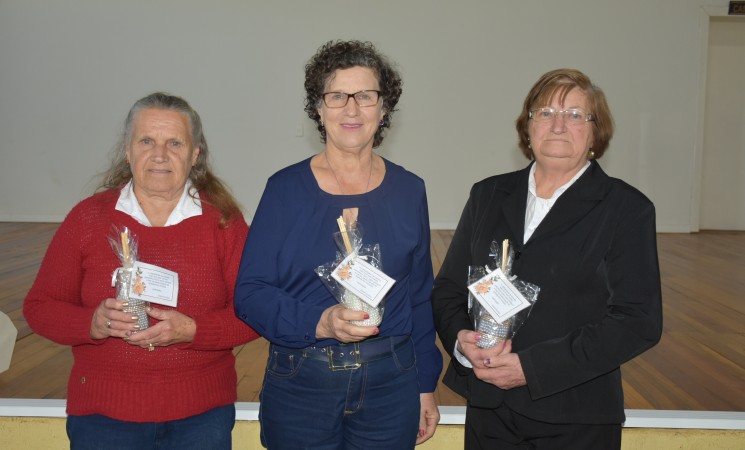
572 116
340 99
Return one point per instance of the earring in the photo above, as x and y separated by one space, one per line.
590 154
382 122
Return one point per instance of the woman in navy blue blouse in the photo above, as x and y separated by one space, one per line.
330 383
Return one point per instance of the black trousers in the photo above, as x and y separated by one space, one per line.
502 428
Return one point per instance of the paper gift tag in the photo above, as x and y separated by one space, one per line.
498 295
154 284
362 279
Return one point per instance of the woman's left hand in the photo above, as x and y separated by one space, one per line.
504 370
429 417
173 328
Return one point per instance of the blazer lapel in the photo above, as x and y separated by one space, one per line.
575 203
514 206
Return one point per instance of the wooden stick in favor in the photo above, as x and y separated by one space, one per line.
505 250
350 216
344 235
125 245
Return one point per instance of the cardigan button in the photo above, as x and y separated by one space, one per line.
82 380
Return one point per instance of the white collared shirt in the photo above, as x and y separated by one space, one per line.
187 206
537 208
535 211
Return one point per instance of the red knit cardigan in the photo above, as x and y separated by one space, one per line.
120 380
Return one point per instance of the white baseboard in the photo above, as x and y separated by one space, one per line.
450 415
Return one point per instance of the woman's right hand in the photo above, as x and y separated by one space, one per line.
336 323
109 319
476 355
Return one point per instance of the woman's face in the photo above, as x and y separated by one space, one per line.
161 153
558 144
351 127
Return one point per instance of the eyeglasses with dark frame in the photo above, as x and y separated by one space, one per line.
572 116
340 99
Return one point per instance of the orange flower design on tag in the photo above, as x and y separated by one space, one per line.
484 286
345 271
139 286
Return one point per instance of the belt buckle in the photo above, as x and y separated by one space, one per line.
356 364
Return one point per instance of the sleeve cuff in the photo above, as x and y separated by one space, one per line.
461 358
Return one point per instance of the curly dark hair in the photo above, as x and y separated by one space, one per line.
335 55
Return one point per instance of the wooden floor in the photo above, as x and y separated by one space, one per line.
698 365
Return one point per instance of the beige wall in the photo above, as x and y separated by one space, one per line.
70 70
723 168
25 433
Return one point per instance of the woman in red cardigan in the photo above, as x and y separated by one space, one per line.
169 383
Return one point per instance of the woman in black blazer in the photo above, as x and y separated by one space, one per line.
588 241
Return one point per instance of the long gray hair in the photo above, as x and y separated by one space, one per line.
211 189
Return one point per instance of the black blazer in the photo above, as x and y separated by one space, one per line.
595 258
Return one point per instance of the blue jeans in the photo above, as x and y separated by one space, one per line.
307 405
209 430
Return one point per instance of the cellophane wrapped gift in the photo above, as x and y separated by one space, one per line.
124 244
350 239
493 332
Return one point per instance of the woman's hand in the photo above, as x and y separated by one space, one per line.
503 370
109 320
429 417
467 340
172 327
496 365
336 323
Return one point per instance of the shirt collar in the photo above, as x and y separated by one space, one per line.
187 206
561 189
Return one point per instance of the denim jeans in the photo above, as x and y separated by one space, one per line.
209 430
306 405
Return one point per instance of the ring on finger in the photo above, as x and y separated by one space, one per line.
150 347
108 324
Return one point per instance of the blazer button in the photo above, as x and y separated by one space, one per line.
82 380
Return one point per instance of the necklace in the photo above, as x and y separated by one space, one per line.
369 176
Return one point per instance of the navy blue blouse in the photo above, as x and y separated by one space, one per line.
278 292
